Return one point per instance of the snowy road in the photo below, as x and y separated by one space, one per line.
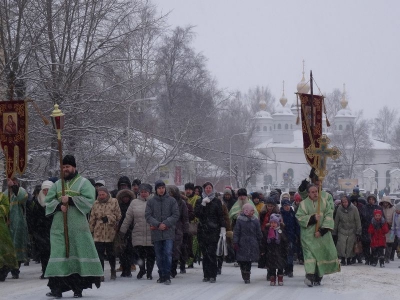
354 282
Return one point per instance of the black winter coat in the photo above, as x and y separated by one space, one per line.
275 256
211 219
41 226
292 228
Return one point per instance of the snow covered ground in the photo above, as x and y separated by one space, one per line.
354 282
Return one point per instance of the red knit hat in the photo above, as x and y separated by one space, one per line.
377 212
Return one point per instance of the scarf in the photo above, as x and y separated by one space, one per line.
211 196
273 234
376 224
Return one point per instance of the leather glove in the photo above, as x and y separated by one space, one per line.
205 201
104 219
223 231
236 247
303 185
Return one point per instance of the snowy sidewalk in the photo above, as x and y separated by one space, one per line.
354 282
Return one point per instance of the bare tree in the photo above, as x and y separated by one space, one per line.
383 125
355 145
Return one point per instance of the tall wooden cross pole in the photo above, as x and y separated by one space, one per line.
322 153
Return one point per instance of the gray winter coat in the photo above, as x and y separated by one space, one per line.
162 209
135 215
247 234
347 226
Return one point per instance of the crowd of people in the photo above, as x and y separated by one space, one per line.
74 226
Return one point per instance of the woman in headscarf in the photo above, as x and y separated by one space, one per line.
211 225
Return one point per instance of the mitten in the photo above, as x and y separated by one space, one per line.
205 201
229 234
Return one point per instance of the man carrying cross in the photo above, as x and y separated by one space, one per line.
320 256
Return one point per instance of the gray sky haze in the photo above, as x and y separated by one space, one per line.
263 42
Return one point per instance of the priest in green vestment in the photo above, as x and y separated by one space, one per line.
8 259
18 225
320 256
82 268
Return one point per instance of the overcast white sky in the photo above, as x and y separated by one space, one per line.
263 42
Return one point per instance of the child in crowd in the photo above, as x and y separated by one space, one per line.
246 240
378 229
274 248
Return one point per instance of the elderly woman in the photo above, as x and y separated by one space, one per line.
211 224
141 233
103 223
347 229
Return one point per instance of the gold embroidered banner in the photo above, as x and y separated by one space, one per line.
311 123
14 135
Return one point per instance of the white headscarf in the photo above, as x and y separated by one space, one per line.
45 185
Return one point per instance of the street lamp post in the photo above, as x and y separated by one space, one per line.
57 119
230 155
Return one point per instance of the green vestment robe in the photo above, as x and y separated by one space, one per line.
8 258
236 209
18 225
83 258
320 256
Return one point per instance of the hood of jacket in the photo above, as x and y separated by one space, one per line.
125 193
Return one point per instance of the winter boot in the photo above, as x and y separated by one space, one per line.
280 280
113 275
141 273
246 276
317 280
309 280
289 271
343 261
349 262
381 262
272 280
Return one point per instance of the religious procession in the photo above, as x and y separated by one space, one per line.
73 226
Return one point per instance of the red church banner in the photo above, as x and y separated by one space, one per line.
14 135
311 123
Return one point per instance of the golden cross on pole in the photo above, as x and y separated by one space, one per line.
322 153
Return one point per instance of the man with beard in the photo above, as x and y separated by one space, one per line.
320 255
236 209
82 268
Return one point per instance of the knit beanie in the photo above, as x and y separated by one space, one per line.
227 191
377 212
145 187
102 189
274 218
158 184
285 202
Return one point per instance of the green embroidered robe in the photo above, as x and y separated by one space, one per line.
7 253
83 258
320 256
236 209
18 225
